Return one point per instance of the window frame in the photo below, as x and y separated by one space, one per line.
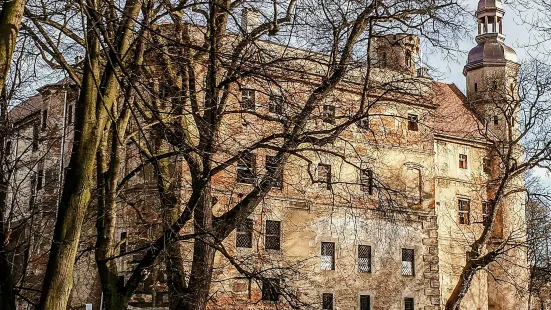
270 166
413 122
248 99
412 262
272 235
331 256
276 104
463 161
361 306
271 290
331 306
369 258
246 169
245 229
461 203
408 300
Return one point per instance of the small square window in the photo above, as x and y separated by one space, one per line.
276 104
409 304
464 210
272 237
329 114
324 175
327 301
244 238
248 99
364 258
366 180
270 290
365 302
463 163
408 262
327 256
413 122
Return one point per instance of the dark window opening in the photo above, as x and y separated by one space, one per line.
487 165
35 137
408 59
329 114
124 243
364 258
363 123
324 175
271 168
384 58
44 119
464 210
273 235
248 99
327 301
366 180
244 238
486 212
246 168
40 179
413 122
121 281
365 302
496 120
8 148
33 191
70 116
270 290
463 164
276 104
475 87
408 262
409 304
327 256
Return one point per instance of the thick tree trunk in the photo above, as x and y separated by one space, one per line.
10 22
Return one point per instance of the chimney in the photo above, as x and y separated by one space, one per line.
250 19
423 72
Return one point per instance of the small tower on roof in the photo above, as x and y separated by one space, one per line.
492 66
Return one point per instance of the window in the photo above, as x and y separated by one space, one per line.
244 238
408 262
463 161
383 62
33 190
327 256
70 116
271 167
364 258
496 120
409 304
248 100
328 114
124 243
35 137
413 122
408 58
121 283
270 290
44 119
363 123
324 175
40 179
486 212
475 87
272 238
327 301
464 209
276 104
487 165
246 172
365 302
366 180
8 148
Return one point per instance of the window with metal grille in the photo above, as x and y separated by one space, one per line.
366 180
487 165
409 304
464 211
327 256
246 168
413 122
272 237
44 119
244 237
364 258
276 104
365 302
270 290
271 167
248 99
463 161
327 301
408 262
124 243
35 136
329 114
324 175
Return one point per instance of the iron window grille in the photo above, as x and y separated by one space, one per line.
327 301
244 237
273 235
365 302
324 175
413 122
366 180
248 99
246 169
364 258
276 104
463 163
464 211
271 167
408 262
329 114
270 290
327 256
409 304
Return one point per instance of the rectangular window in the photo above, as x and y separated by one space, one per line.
364 258
8 148
271 167
496 120
384 60
124 243
246 168
413 122
463 164
244 238
327 256
324 175
248 99
408 262
365 302
366 180
487 165
44 119
70 117
464 210
272 238
409 304
276 104
329 114
486 212
35 136
327 301
363 123
121 283
270 290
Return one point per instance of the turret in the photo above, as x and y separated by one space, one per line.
397 52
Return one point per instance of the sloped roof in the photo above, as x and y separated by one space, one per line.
26 108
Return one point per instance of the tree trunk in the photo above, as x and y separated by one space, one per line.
10 22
